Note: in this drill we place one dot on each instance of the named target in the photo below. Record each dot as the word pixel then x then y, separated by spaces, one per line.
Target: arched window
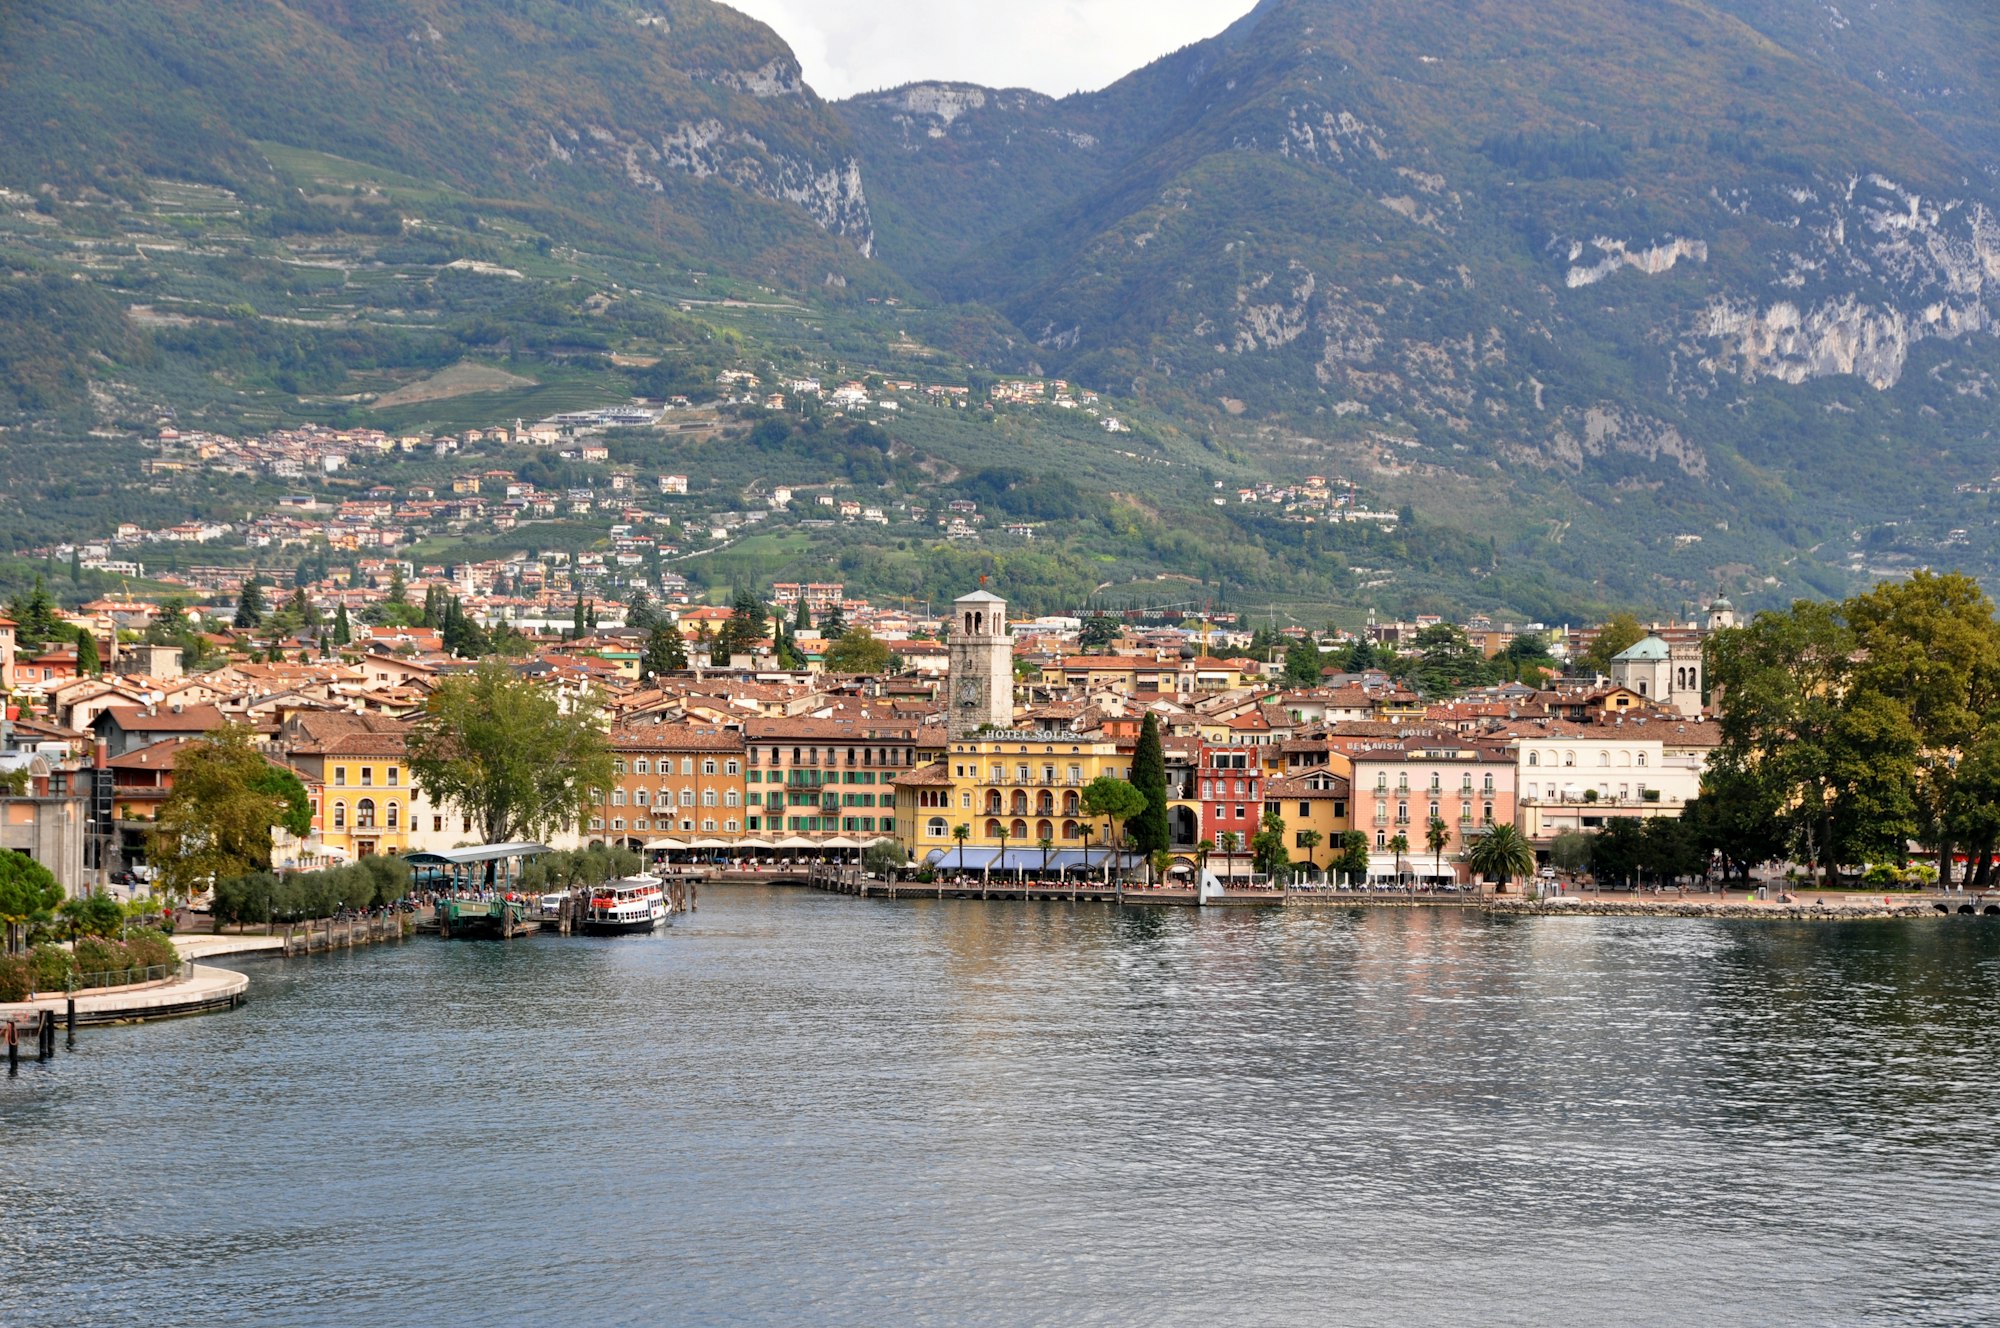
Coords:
pixel 395 815
pixel 1642 758
pixel 340 816
pixel 1604 758
pixel 1020 807
pixel 1070 830
pixel 1018 830
pixel 364 814
pixel 1569 758
pixel 992 802
pixel 1043 830
pixel 1072 805
pixel 1534 758
pixel 935 828
pixel 1045 804
pixel 992 829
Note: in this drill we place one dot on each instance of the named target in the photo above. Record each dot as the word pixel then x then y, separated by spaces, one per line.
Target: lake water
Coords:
pixel 807 1109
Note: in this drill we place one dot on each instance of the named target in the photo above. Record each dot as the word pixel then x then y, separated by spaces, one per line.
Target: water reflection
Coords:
pixel 798 1108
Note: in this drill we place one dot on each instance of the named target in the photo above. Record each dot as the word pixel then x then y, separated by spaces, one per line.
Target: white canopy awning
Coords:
pixel 840 841
pixel 711 843
pixel 797 841
pixel 666 845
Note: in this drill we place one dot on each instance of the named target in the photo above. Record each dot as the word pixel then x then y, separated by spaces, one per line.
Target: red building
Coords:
pixel 1230 784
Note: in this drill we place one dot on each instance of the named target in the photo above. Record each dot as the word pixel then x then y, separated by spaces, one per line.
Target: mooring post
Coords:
pixel 13 1048
pixel 45 1036
pixel 70 1014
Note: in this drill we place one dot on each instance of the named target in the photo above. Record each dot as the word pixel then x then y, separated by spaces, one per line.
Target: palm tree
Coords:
pixel 1086 830
pixel 1202 850
pixel 961 833
pixel 1157 862
pixel 1003 852
pixel 1045 844
pixel 1232 843
pixel 1437 838
pixel 1501 853
pixel 1310 840
pixel 1399 846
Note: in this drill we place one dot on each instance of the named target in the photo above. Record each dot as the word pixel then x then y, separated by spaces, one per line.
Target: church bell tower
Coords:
pixel 980 690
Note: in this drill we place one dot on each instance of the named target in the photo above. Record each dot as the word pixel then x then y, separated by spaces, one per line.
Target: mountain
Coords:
pixel 681 120
pixel 1607 300
pixel 1662 275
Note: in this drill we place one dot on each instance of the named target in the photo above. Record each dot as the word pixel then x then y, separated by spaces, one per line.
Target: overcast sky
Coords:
pixel 1053 46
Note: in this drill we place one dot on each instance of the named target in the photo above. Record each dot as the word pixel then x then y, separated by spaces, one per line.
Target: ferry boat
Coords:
pixel 635 904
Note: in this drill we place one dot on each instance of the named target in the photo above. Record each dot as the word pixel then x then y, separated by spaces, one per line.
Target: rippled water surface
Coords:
pixel 797 1108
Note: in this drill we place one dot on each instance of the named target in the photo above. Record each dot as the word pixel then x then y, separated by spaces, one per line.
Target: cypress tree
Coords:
pixel 1149 776
pixel 802 620
pixel 250 604
pixel 87 662
pixel 343 631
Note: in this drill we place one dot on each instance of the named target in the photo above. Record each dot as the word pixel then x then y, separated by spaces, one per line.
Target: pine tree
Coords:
pixel 639 613
pixel 1149 776
pixel 35 620
pixel 833 625
pixel 665 651
pixel 250 604
pixel 399 591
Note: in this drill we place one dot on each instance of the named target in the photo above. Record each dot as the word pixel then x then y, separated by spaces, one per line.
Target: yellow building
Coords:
pixel 1316 800
pixel 356 772
pixel 1010 789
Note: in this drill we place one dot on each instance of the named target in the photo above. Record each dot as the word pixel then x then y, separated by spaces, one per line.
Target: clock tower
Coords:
pixel 980 690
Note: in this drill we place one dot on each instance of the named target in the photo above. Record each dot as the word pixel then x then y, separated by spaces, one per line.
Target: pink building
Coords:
pixel 1401 787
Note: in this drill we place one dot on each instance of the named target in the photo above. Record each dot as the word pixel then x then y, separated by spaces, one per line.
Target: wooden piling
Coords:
pixel 70 1017
pixel 13 1049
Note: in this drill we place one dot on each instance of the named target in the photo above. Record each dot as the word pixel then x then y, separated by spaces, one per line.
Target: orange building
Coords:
pixel 672 781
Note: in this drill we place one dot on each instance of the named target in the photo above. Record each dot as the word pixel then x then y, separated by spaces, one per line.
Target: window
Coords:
pixel 395 775
pixel 617 765
pixel 1642 759
pixel 730 825
pixel 367 776
pixel 729 799
pixel 437 825
pixel 618 797
pixel 687 797
pixel 1534 758
pixel 708 824
pixel 1305 810
pixel 708 766
pixel 1434 811
pixel 687 762
pixel 618 824
pixel 641 767
pixel 340 816
pixel 1489 784
pixel 639 797
pixel 395 815
pixel 364 814
pixel 731 767
pixel 340 776
pixel 1489 813
pixel 597 823
pixel 935 827
pixel 708 797
pixel 1604 758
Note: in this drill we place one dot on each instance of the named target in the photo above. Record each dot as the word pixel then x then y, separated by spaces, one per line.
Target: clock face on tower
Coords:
pixel 968 693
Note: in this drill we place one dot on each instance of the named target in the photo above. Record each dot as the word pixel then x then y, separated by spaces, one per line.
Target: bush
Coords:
pixel 15 984
pixel 1883 874
pixel 151 949
pixel 95 956
pixel 50 967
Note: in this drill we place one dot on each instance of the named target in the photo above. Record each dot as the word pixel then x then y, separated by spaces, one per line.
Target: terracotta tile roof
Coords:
pixel 194 719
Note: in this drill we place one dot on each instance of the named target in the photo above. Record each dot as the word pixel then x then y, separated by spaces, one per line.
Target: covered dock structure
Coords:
pixel 494 867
